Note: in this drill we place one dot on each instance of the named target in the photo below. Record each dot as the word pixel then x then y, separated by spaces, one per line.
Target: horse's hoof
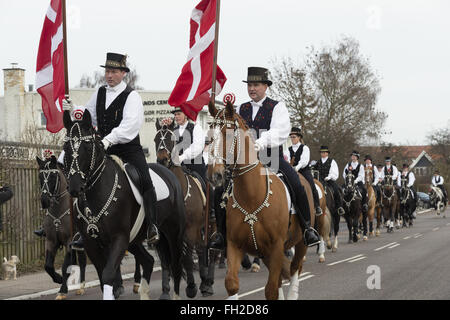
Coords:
pixel 136 288
pixel 80 292
pixel 334 249
pixel 61 296
pixel 365 238
pixel 321 259
pixel 378 233
pixel 255 268
pixel 164 296
pixel 329 245
pixel 191 291
pixel 208 291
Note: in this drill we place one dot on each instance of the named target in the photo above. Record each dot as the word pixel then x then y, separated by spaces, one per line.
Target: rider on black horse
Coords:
pixel 358 171
pixel 117 110
pixel 270 121
pixel 410 179
pixel 190 144
pixel 328 174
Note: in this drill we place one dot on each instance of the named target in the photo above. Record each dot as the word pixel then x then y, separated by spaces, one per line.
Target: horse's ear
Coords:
pixel 87 119
pixel 229 109
pixel 212 109
pixel 67 120
pixel 158 124
pixel 40 162
pixel 53 160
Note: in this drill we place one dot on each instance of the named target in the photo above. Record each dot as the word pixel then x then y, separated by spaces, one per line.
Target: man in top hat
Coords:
pixel 375 178
pixel 410 179
pixel 270 122
pixel 328 174
pixel 190 142
pixel 299 156
pixel 438 181
pixel 117 111
pixel 389 169
pixel 358 171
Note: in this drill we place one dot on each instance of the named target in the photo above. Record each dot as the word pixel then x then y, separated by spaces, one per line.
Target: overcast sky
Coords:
pixel 407 42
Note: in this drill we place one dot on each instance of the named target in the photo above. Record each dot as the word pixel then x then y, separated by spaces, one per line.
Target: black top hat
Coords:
pixel 257 74
pixel 177 109
pixel 324 149
pixel 387 159
pixel 368 157
pixel 405 165
pixel 355 153
pixel 116 61
pixel 436 171
pixel 296 131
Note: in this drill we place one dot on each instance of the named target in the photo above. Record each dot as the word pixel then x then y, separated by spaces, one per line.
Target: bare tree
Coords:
pixel 98 79
pixel 440 142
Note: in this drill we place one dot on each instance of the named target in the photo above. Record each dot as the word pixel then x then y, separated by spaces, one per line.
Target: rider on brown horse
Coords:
pixel 117 111
pixel 328 174
pixel 270 122
pixel 300 156
pixel 358 171
pixel 375 177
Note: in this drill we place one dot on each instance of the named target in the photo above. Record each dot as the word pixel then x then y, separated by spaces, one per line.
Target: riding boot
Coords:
pixel 40 232
pixel 365 206
pixel 310 235
pixel 149 199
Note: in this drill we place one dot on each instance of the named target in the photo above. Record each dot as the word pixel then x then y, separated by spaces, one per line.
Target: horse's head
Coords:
pixel 231 144
pixel 83 149
pixel 164 143
pixel 368 171
pixel 349 187
pixel 49 180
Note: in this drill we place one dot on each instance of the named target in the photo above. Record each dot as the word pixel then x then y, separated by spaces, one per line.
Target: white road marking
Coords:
pixel 385 246
pixel 340 261
pixel 448 224
pixel 436 229
pixel 285 283
pixel 418 235
pixel 357 259
pixel 406 238
pixel 89 284
pixel 395 245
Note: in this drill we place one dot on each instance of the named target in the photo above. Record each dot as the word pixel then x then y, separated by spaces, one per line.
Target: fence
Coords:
pixel 21 215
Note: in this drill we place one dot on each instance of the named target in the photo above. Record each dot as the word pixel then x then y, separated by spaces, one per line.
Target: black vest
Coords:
pixel 323 168
pixel 262 119
pixel 436 179
pixel 296 155
pixel 355 171
pixel 108 119
pixel 406 177
pixel 386 173
pixel 185 140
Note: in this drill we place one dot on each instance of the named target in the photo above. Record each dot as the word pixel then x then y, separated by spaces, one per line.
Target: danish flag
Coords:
pixel 193 88
pixel 50 67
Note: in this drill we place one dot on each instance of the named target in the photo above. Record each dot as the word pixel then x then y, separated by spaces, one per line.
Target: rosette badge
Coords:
pixel 229 97
pixel 47 154
pixel 78 114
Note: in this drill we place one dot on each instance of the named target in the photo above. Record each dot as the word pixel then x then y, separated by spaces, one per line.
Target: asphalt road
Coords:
pixel 412 263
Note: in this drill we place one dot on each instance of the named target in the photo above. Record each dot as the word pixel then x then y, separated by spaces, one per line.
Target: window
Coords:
pixel 43 120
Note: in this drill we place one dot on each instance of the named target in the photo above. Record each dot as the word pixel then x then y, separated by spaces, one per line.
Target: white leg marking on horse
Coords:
pixel 108 292
pixel 293 287
pixel 233 297
pixel 144 290
pixel 280 294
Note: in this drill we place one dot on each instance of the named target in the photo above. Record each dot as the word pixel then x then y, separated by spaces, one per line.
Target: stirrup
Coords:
pixel 316 233
pixel 154 239
pixel 341 211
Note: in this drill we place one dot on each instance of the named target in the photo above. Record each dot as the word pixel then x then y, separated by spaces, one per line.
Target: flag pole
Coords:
pixel 66 69
pixel 216 47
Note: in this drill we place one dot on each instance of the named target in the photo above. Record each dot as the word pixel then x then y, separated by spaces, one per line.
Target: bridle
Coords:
pixel 163 132
pixel 391 184
pixel 350 185
pixel 45 188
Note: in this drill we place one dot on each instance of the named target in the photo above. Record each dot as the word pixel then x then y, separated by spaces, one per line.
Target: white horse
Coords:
pixel 437 200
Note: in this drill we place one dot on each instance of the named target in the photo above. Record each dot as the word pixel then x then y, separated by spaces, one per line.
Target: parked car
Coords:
pixel 424 200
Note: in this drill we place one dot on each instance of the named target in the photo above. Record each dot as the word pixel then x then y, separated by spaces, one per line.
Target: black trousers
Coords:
pixel 134 155
pixel 336 193
pixel 440 186
pixel 377 192
pixel 308 176
pixel 301 200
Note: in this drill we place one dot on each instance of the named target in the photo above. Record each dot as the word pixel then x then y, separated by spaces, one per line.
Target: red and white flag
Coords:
pixel 50 67
pixel 193 88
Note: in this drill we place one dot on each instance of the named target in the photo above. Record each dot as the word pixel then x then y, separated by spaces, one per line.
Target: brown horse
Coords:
pixel 372 202
pixel 257 217
pixel 195 204
pixel 323 223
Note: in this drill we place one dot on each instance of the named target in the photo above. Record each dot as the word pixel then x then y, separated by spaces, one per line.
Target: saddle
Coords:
pixel 201 184
pixel 290 194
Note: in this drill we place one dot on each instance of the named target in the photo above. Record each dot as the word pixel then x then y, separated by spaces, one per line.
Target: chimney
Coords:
pixel 13 103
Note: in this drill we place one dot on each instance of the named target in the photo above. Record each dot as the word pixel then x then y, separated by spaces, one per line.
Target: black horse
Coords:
pixel 58 225
pixel 389 199
pixel 407 203
pixel 352 207
pixel 107 210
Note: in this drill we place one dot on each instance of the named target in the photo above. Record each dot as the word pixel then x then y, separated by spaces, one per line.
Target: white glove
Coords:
pixel 176 159
pixel 67 104
pixel 182 158
pixel 297 167
pixel 106 143
pixel 258 147
pixel 327 178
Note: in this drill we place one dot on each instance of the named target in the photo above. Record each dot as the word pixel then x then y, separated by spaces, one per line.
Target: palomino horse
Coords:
pixel 389 200
pixel 55 200
pixel 352 207
pixel 323 222
pixel 107 209
pixel 407 203
pixel 372 202
pixel 437 200
pixel 195 204
pixel 258 219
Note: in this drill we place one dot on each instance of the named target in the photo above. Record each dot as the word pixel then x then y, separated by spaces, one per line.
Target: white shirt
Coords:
pixel 435 179
pixel 360 176
pixel 304 158
pixel 198 142
pixel 411 179
pixel 394 172
pixel 280 125
pixel 133 114
pixel 334 170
